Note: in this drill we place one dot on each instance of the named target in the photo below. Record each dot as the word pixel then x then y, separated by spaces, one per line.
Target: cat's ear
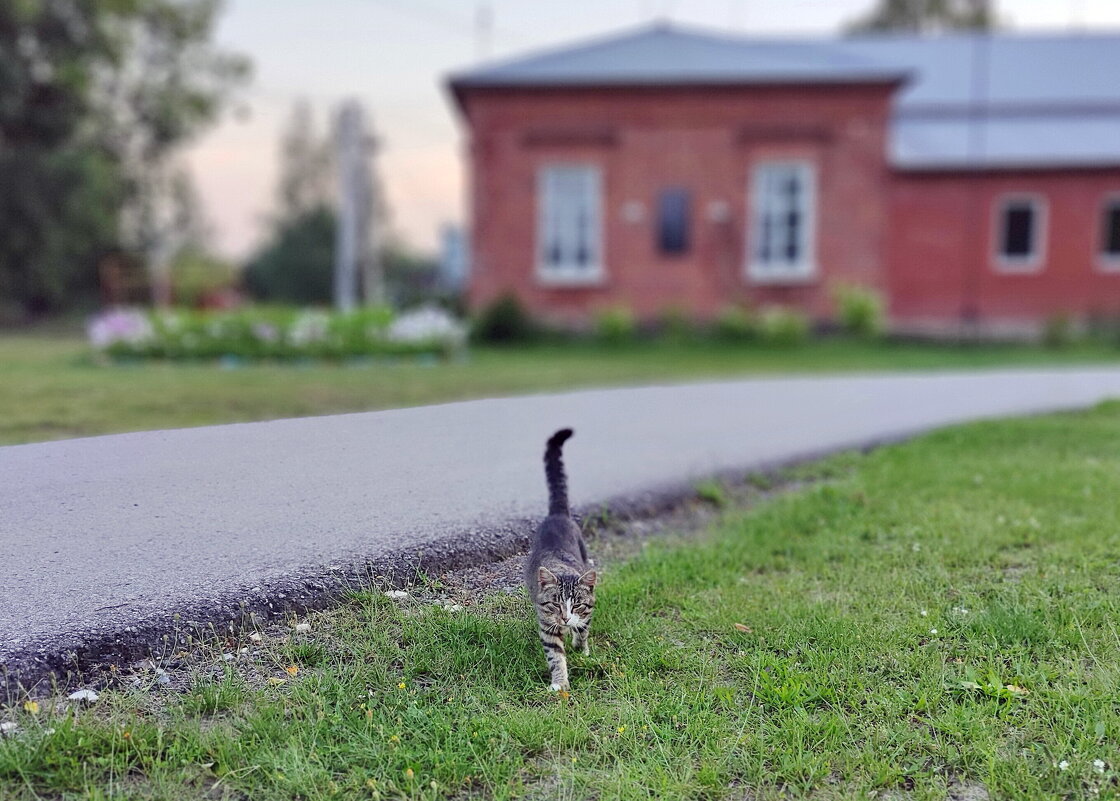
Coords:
pixel 588 579
pixel 546 578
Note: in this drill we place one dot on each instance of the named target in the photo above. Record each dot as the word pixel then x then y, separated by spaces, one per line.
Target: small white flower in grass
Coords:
pixel 8 727
pixel 960 610
pixel 84 695
pixel 398 594
pixel 1063 765
pixel 917 546
pixel 924 613
pixel 933 631
pixel 453 608
pixel 1098 765
pixel 302 628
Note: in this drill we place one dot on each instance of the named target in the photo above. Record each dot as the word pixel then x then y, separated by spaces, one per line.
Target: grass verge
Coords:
pixel 937 619
pixel 51 389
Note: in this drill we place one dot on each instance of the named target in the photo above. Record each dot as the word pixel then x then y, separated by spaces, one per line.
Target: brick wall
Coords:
pixel 943 244
pixel 700 139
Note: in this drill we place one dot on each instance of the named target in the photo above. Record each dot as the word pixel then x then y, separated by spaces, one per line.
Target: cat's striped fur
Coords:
pixel 558 572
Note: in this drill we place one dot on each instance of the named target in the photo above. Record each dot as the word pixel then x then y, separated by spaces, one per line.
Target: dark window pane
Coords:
pixel 1111 245
pixel 1018 229
pixel 672 221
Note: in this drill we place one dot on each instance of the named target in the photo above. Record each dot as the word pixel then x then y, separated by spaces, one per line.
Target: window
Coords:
pixel 1020 228
pixel 569 225
pixel 1110 233
pixel 783 212
pixel 672 221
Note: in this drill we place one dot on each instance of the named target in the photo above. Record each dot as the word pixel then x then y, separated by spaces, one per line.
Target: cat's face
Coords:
pixel 567 601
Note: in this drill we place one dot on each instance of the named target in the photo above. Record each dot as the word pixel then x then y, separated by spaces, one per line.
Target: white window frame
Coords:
pixel 572 274
pixel 1106 263
pixel 1033 261
pixel 780 272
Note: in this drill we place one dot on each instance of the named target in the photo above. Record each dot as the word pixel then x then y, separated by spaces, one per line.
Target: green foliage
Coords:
pixel 93 96
pixel 504 322
pixel 922 16
pixel 297 265
pixel 615 325
pixel 712 492
pixel 860 310
pixel 196 273
pixel 779 325
pixel 1058 331
pixel 676 325
pixel 736 324
pixel 262 333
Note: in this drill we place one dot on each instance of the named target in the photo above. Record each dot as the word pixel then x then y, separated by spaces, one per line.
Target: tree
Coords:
pixel 306 181
pixel 95 96
pixel 922 16
pixel 297 264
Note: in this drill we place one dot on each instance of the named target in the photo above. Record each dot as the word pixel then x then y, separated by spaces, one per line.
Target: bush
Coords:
pixel 196 274
pixel 736 324
pixel 274 333
pixel 783 326
pixel 297 266
pixel 504 322
pixel 861 310
pixel 676 325
pixel 615 325
pixel 1058 331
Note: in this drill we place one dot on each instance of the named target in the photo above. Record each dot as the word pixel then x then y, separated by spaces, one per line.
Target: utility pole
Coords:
pixel 349 144
pixel 358 240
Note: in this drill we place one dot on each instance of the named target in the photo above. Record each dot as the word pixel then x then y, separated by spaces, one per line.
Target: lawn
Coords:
pixel 52 390
pixel 939 616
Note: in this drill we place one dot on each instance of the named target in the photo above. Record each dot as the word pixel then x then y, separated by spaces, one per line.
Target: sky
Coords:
pixel 393 56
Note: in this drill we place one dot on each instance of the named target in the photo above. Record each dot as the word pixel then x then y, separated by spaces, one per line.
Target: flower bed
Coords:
pixel 273 333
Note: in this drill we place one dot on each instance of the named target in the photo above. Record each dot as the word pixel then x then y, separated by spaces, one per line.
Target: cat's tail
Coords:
pixel 554 473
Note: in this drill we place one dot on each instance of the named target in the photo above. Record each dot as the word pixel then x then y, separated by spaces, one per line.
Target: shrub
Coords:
pixel 861 310
pixel 504 322
pixel 1057 332
pixel 676 325
pixel 615 325
pixel 276 333
pixel 736 324
pixel 783 326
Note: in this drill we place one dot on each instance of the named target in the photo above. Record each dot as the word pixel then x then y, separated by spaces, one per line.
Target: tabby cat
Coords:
pixel 558 572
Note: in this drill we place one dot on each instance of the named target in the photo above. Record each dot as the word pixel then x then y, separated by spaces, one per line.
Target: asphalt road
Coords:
pixel 100 534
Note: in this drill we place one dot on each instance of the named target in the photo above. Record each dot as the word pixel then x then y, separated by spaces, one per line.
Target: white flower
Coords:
pixel 303 627
pixel 8 727
pixel 427 324
pixel 84 695
pixel 933 631
pixel 960 610
pixel 1063 765
pixel 396 594
pixel 924 613
pixel 130 326
pixel 1098 765
pixel 309 327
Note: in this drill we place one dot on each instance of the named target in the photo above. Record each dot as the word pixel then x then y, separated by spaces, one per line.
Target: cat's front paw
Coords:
pixel 557 687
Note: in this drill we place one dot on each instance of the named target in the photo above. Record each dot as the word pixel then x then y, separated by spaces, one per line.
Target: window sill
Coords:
pixel 765 276
pixel 1017 266
pixel 564 280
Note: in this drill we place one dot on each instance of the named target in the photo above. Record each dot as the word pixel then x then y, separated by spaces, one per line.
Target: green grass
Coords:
pixel 52 390
pixel 939 612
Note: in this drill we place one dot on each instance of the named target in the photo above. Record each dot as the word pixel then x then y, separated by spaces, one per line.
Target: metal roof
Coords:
pixel 969 101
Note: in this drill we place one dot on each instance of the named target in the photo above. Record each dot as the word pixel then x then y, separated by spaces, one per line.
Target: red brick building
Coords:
pixel 967 178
